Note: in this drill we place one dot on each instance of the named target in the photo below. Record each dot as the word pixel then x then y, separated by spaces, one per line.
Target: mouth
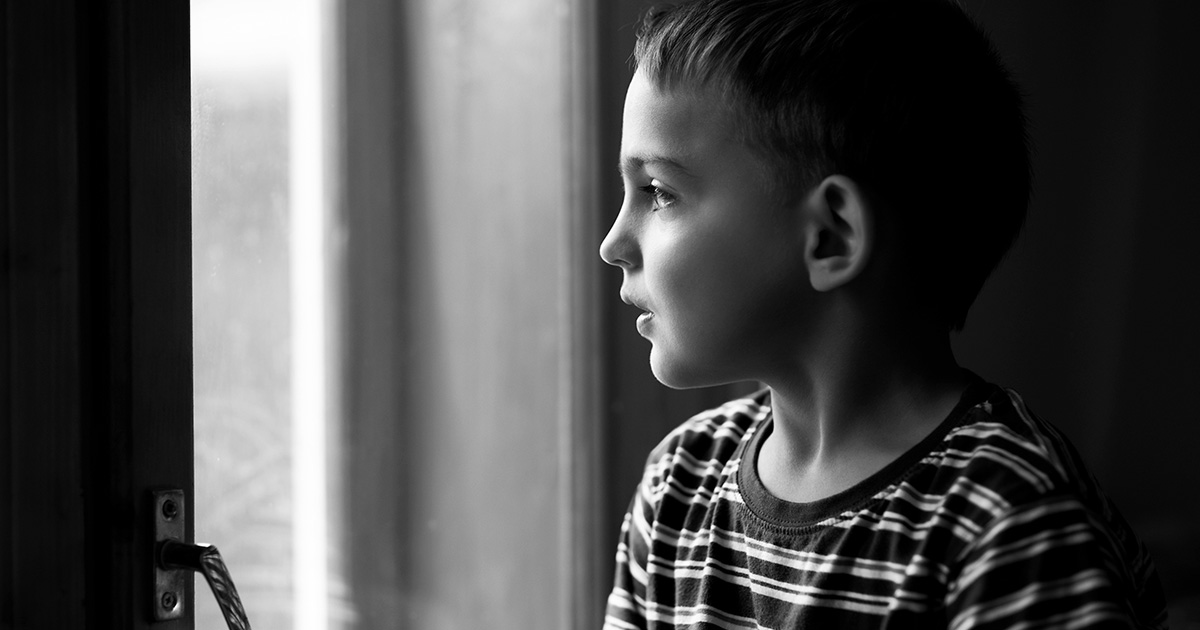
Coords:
pixel 632 301
pixel 643 323
pixel 646 314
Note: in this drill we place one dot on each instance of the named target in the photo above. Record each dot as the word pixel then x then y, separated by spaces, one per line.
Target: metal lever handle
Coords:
pixel 205 559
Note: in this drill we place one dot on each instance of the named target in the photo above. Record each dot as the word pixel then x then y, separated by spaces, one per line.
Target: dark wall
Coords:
pixel 1092 316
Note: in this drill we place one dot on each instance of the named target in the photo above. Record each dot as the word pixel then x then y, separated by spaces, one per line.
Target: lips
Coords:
pixel 643 320
pixel 635 302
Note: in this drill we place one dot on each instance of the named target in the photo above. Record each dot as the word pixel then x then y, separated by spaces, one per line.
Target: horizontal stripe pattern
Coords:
pixel 992 522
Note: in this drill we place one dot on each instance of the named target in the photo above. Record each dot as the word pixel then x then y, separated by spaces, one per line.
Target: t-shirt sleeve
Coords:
pixel 1049 563
pixel 627 601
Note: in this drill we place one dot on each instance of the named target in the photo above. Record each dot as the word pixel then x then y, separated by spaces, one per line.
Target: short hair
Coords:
pixel 908 98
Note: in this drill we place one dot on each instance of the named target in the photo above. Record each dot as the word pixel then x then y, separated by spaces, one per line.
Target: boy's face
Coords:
pixel 708 251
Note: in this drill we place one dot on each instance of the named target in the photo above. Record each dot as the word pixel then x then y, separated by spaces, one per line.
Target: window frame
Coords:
pixel 96 300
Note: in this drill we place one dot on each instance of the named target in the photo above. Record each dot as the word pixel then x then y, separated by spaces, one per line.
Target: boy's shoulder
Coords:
pixel 1015 467
pixel 1027 488
pixel 1000 444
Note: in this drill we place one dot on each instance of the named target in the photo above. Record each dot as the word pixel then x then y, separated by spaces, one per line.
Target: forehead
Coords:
pixel 680 128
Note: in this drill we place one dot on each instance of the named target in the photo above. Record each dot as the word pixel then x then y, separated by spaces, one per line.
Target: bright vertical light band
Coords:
pixel 310 288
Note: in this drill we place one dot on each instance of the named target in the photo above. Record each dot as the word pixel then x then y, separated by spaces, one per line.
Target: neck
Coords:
pixel 870 395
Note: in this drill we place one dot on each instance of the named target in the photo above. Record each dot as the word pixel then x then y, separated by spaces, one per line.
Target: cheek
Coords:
pixel 706 272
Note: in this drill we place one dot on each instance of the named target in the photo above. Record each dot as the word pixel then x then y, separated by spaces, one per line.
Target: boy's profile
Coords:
pixel 815 191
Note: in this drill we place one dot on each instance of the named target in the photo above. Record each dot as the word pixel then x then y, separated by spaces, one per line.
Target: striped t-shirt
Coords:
pixel 990 522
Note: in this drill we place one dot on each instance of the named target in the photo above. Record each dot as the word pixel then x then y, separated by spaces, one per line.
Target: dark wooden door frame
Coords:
pixel 95 306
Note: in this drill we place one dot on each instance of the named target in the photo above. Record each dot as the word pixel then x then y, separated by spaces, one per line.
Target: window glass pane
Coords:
pixel 247 339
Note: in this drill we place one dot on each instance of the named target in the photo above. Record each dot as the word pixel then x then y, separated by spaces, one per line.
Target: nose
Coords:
pixel 619 247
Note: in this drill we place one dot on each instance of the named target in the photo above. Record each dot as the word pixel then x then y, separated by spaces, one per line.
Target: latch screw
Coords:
pixel 170 510
pixel 169 600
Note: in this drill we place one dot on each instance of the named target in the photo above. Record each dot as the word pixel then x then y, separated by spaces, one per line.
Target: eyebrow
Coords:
pixel 631 164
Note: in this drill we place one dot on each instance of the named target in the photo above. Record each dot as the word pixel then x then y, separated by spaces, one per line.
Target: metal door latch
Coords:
pixel 175 560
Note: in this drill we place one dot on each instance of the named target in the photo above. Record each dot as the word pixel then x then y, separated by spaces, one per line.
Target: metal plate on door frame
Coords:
pixel 169 584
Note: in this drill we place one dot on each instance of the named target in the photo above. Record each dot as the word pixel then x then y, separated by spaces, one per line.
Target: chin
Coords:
pixel 677 374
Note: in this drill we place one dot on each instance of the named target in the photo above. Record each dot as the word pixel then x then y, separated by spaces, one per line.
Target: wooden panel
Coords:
pixel 156 99
pixel 97 386
pixel 42 286
pixel 7 296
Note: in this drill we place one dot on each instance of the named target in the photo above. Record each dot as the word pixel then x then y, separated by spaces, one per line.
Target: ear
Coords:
pixel 839 232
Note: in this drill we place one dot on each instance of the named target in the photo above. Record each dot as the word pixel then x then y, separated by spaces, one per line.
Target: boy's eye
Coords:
pixel 661 198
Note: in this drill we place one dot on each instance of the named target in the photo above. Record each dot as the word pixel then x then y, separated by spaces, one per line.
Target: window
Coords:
pixel 451 389
pixel 261 286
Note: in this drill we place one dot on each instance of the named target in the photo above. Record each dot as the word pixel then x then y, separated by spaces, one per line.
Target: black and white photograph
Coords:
pixel 599 314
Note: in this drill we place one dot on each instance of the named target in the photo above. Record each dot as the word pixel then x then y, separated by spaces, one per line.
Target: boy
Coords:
pixel 815 192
